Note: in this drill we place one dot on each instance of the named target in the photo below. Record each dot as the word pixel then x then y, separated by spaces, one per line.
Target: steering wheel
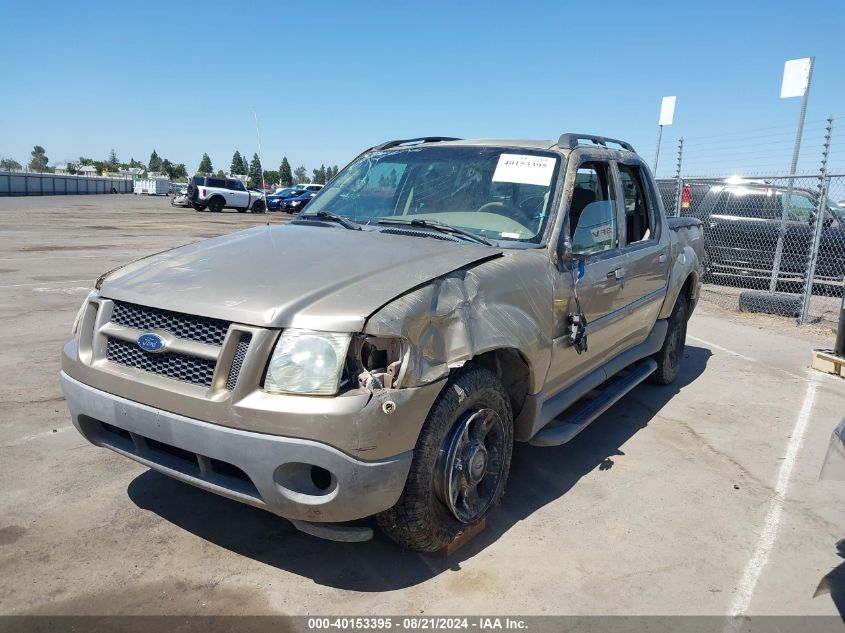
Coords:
pixel 500 208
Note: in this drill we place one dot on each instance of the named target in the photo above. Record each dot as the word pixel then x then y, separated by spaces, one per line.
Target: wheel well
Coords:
pixel 512 369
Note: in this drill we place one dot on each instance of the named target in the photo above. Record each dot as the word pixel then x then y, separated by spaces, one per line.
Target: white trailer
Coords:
pixel 152 186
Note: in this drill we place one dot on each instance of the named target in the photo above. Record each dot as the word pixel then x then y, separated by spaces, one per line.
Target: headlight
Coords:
pixel 295 203
pixel 305 361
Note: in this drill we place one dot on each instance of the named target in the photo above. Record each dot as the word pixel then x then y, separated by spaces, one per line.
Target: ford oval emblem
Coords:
pixel 152 343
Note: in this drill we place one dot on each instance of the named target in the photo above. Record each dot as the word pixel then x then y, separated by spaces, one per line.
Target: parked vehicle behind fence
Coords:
pixel 743 221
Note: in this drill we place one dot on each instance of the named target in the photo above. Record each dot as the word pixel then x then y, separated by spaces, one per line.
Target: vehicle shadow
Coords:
pixel 834 582
pixel 538 476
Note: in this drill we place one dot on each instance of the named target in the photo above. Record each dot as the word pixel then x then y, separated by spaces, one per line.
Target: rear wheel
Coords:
pixel 460 464
pixel 672 353
pixel 197 206
pixel 216 204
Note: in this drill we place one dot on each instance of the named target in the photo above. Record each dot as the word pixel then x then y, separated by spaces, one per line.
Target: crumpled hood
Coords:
pixel 314 277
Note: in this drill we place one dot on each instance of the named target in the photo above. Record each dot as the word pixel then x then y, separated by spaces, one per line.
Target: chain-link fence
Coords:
pixel 765 248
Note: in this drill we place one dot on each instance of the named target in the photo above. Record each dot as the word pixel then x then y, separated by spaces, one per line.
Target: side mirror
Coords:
pixel 564 252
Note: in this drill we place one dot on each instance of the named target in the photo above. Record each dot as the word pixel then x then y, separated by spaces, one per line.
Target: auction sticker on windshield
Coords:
pixel 524 169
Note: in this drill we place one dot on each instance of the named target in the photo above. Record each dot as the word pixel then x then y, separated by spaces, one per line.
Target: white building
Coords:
pixel 88 170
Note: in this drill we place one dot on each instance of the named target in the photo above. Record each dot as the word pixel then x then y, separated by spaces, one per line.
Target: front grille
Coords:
pixel 238 361
pixel 186 326
pixel 197 371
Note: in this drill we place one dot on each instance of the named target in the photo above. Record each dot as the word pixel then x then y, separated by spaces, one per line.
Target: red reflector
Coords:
pixel 202 193
pixel 685 197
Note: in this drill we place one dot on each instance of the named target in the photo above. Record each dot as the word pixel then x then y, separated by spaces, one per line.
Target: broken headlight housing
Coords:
pixel 308 362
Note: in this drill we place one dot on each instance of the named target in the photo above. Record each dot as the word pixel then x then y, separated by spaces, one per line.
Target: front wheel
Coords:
pixel 460 465
pixel 672 353
pixel 258 206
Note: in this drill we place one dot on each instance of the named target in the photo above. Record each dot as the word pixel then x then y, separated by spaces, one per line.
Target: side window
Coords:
pixel 592 211
pixel 217 183
pixel 801 208
pixel 639 223
pixel 235 185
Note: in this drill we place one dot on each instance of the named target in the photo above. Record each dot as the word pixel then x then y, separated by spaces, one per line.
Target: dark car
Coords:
pixel 295 204
pixel 275 199
pixel 742 221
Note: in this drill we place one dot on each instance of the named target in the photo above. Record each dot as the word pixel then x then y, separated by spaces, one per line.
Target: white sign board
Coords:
pixel 667 111
pixel 796 76
pixel 525 169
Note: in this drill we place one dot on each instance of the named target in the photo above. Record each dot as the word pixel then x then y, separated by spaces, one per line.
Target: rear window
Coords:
pixel 198 180
pixel 745 204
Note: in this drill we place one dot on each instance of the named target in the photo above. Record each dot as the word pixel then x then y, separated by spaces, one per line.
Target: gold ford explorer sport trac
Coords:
pixel 439 300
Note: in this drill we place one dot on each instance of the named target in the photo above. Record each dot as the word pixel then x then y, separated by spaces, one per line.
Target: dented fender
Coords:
pixel 503 303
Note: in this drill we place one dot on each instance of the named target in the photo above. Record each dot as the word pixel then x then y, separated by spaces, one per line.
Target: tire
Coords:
pixel 422 520
pixel 193 192
pixel 198 207
pixel 259 207
pixel 216 204
pixel 242 210
pixel 672 353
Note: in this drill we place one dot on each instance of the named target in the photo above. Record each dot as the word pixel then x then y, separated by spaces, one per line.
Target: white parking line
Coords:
pixel 760 557
pixel 41 283
pixel 742 356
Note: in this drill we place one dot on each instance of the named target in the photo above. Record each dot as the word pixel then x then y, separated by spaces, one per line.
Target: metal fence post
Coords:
pixel 679 182
pixel 821 210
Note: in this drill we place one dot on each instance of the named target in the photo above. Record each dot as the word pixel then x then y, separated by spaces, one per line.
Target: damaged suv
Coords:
pixel 453 297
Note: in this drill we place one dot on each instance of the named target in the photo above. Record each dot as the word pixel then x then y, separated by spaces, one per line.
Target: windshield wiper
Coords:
pixel 331 217
pixel 440 227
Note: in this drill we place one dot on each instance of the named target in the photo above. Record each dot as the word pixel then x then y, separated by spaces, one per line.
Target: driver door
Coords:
pixel 592 225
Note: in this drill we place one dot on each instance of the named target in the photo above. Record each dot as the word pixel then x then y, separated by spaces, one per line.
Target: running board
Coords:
pixel 568 426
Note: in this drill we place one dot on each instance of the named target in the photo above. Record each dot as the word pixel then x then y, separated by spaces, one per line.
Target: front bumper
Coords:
pixel 267 471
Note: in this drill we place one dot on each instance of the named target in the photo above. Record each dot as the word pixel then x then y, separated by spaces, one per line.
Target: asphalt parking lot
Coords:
pixel 699 498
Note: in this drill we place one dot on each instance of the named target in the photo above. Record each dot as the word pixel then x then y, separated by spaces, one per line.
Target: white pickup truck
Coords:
pixel 215 194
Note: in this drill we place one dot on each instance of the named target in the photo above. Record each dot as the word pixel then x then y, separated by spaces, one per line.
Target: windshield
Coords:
pixel 496 193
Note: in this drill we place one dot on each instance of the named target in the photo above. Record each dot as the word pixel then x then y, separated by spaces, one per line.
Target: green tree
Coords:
pixel 113 162
pixel 155 162
pixel 39 159
pixel 9 164
pixel 180 172
pixel 136 164
pixel 271 177
pixel 300 175
pixel 220 173
pixel 72 167
pixel 320 175
pixel 205 165
pixel 285 175
pixel 244 166
pixel 255 177
pixel 85 162
pixel 334 172
pixel 237 166
pixel 167 168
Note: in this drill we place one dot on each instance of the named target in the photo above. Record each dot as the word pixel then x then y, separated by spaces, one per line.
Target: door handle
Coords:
pixel 618 274
pixel 662 258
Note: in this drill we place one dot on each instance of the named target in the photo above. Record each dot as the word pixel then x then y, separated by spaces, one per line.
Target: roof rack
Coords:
pixel 570 140
pixel 414 141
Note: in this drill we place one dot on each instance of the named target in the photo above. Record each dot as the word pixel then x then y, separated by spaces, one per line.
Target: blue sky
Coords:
pixel 331 78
